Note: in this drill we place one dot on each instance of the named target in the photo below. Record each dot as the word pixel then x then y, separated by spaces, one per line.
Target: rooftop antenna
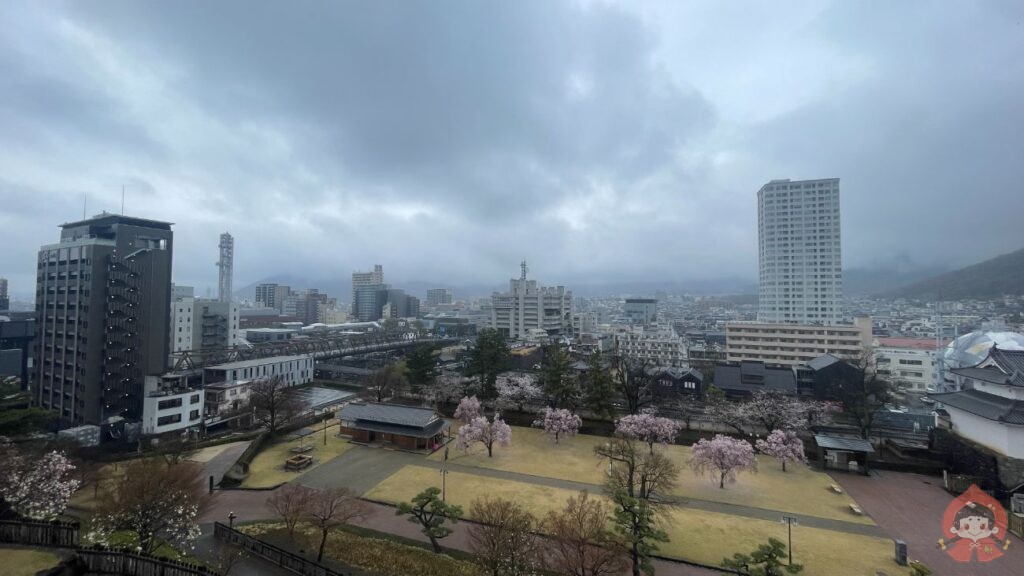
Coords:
pixel 122 199
pixel 85 202
pixel 524 268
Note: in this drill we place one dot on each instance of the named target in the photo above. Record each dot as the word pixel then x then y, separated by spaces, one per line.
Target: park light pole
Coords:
pixel 231 519
pixel 444 476
pixel 790 521
pixel 608 447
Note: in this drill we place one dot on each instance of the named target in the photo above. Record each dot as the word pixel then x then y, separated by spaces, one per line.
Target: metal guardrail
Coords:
pixel 273 554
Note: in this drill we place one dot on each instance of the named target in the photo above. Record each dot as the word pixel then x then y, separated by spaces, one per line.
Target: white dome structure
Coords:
pixel 970 349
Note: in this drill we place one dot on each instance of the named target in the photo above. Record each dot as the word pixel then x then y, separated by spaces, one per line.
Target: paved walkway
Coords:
pixel 359 469
pixel 222 462
pixel 910 507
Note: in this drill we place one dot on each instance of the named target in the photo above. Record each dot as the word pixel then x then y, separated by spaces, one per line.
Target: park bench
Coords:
pixel 837 489
pixel 856 510
pixel 298 462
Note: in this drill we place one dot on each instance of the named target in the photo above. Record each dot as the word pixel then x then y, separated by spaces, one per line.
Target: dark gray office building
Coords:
pixel 5 301
pixel 103 298
pixel 17 332
pixel 369 301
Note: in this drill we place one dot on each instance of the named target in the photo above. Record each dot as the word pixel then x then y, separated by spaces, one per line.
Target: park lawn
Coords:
pixel 380 556
pixel 694 535
pixel 26 561
pixel 87 497
pixel 800 490
pixel 267 468
pixel 534 452
pixel 709 537
pixel 461 489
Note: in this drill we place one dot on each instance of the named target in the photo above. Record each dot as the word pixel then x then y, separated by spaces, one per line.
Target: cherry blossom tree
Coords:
pixel 724 457
pixel 37 488
pixel 725 411
pixel 775 410
pixel 518 389
pixel 153 501
pixel 783 445
pixel 445 388
pixel 559 422
pixel 468 409
pixel 648 428
pixel 819 412
pixel 484 432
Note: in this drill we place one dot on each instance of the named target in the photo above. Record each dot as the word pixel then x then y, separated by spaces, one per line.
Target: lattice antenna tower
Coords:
pixel 226 265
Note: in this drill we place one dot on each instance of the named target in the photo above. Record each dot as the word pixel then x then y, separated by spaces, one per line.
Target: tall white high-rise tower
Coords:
pixel 801 270
pixel 226 265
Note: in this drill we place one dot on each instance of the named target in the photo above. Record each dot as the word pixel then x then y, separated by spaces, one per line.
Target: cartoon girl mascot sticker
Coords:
pixel 974 522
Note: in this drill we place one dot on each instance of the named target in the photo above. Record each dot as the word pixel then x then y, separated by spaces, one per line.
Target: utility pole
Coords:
pixel 790 521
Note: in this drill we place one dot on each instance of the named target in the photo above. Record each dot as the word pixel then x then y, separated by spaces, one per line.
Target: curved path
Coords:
pixel 250 505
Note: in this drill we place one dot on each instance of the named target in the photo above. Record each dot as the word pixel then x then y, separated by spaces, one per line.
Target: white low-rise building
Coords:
pixel 910 363
pixel 795 344
pixel 989 410
pixel 660 347
pixel 226 400
pixel 167 407
pixel 293 370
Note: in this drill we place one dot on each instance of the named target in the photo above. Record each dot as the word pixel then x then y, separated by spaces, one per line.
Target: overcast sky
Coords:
pixel 449 140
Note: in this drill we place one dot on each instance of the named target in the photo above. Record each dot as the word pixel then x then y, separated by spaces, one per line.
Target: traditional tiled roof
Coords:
pixel 730 377
pixel 999 367
pixel 990 406
pixel 1009 361
pixel 823 361
pixel 388 414
pixel 990 374
pixel 843 443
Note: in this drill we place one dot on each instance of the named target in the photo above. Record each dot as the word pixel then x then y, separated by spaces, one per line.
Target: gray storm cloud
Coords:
pixel 603 142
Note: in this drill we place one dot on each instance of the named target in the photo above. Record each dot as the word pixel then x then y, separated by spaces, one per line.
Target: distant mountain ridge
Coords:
pixel 989 279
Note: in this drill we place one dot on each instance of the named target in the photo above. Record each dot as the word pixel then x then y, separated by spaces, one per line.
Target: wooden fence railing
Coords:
pixel 29 533
pixel 1016 524
pixel 103 561
pixel 98 560
pixel 271 553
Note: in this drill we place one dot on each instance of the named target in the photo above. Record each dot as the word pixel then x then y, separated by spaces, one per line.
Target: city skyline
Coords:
pixel 620 142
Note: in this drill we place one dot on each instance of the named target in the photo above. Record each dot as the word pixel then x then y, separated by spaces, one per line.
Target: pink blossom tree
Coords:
pixel 559 422
pixel 724 457
pixel 648 428
pixel 518 389
pixel 444 388
pixel 775 410
pixel 37 488
pixel 783 445
pixel 487 433
pixel 468 409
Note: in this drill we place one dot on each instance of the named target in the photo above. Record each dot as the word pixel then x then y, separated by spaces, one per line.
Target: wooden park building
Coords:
pixel 407 427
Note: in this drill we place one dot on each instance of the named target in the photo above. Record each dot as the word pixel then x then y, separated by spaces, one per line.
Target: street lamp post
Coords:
pixel 231 519
pixel 444 477
pixel 790 521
